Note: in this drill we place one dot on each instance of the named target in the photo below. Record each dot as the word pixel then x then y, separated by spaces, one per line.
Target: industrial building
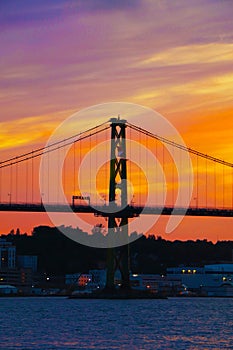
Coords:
pixel 210 280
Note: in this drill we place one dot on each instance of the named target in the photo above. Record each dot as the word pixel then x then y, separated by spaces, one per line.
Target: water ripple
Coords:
pixel 59 323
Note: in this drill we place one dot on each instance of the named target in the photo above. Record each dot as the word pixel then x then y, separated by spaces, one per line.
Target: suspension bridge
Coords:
pixel 207 181
pixel 111 173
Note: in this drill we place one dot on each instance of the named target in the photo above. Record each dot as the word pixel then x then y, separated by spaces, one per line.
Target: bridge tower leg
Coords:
pixel 118 224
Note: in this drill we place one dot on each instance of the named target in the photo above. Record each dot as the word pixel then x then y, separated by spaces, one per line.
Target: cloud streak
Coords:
pixel 192 54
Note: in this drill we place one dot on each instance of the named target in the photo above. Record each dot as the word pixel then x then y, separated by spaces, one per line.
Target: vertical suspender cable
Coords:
pixel 130 156
pixel 189 175
pixel 48 171
pixel 146 164
pixel 197 190
pixel 223 186
pixel 140 140
pixel 0 185
pixel 58 162
pixel 232 188
pixel 206 183
pixel 106 168
pixel 156 170
pixel 74 168
pixel 26 179
pixel 80 169
pixel 215 186
pixel 10 191
pixel 181 169
pixel 164 173
pixel 64 168
pixel 95 169
pixel 32 177
pixel 16 181
pixel 90 179
pixel 173 176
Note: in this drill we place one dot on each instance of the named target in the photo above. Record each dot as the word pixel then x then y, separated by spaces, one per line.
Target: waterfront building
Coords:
pixel 84 279
pixel 211 279
pixel 12 274
pixel 7 254
pixel 6 289
pixel 20 278
pixel 98 277
pixel 156 283
pixel 27 261
pixel 72 279
pixel 79 279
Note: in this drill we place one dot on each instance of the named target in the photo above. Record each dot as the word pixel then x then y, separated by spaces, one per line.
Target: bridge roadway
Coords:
pixel 106 211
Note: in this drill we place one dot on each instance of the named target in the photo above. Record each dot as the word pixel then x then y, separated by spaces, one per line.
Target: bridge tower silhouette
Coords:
pixel 117 220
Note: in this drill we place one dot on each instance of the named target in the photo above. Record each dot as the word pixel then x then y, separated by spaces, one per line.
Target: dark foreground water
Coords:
pixel 60 323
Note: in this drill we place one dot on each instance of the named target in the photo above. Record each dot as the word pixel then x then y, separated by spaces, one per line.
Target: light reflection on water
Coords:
pixel 60 323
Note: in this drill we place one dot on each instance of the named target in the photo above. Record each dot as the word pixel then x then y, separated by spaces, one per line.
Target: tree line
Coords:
pixel 59 255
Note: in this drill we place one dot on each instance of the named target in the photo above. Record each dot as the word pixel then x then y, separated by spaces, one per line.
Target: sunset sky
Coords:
pixel 176 57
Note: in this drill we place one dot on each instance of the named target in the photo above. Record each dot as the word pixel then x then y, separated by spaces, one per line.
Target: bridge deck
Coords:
pixel 129 211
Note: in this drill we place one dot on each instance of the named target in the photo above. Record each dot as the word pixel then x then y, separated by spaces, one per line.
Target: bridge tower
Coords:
pixel 118 223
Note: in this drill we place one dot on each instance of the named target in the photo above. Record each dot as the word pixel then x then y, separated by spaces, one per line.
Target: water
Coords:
pixel 60 323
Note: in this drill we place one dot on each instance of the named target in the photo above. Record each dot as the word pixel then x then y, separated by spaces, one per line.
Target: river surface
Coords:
pixel 60 323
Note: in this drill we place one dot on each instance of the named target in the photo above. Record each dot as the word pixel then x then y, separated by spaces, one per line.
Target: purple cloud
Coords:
pixel 66 54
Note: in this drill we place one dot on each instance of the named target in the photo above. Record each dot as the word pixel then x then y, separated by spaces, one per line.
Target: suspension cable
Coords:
pixel 184 148
pixel 47 149
pixel 53 144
